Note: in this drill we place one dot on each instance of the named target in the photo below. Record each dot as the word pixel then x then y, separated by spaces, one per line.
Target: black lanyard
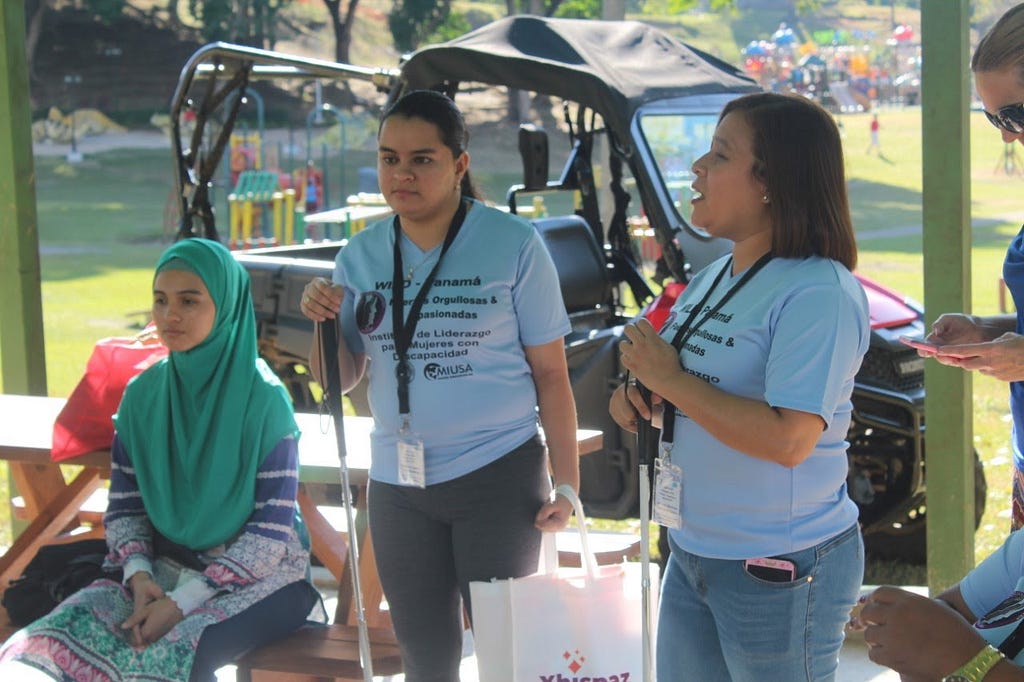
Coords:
pixel 404 330
pixel 687 329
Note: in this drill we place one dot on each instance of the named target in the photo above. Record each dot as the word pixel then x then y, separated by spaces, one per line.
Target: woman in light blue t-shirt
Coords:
pixel 994 344
pixel 452 311
pixel 755 370
pixel 926 639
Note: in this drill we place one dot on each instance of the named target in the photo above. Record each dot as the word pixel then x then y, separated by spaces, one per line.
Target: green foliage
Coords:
pixel 215 16
pixel 477 17
pixel 805 7
pixel 456 25
pixel 678 6
pixel 579 9
pixel 248 22
pixel 412 21
pixel 106 10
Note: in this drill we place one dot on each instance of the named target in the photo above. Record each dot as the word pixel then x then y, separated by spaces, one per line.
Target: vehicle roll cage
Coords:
pixel 228 70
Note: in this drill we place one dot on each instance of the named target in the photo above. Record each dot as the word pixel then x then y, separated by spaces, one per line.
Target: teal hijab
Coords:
pixel 198 425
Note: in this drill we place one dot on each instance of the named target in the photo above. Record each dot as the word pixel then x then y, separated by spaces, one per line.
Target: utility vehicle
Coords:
pixel 637 107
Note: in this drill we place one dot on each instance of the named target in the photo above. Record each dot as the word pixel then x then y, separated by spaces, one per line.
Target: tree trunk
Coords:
pixel 342 28
pixel 519 102
pixel 614 10
pixel 33 31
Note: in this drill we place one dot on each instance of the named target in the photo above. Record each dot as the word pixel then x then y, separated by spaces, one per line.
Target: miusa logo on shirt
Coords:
pixel 436 371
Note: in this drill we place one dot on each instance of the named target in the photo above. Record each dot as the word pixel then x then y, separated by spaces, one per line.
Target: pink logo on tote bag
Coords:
pixel 576 659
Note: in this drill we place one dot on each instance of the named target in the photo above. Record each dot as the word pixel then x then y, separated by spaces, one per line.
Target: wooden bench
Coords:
pixel 320 654
pixel 324 654
pixel 331 652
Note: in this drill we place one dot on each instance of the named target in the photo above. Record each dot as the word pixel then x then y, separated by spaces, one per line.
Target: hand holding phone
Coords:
pixel 920 344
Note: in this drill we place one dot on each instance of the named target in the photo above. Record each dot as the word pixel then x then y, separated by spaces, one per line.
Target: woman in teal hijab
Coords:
pixel 202 519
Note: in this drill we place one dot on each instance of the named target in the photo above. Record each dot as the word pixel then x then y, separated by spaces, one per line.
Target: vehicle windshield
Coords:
pixel 675 139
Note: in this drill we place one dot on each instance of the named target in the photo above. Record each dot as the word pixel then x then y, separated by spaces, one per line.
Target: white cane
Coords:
pixel 645 571
pixel 327 336
pixel 646 442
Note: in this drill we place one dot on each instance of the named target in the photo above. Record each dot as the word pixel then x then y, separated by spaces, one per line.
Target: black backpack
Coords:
pixel 54 574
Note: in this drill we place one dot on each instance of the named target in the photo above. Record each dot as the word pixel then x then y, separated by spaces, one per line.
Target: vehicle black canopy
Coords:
pixel 611 67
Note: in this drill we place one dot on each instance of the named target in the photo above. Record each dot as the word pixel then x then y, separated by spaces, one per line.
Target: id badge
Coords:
pixel 411 465
pixel 668 494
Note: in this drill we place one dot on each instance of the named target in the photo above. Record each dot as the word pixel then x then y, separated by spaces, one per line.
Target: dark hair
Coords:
pixel 1002 46
pixel 798 156
pixel 438 109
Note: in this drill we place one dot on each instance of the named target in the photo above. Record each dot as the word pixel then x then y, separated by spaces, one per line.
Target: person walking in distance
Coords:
pixel 874 145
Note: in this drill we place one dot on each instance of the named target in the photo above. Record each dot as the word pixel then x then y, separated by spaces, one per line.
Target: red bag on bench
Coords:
pixel 84 424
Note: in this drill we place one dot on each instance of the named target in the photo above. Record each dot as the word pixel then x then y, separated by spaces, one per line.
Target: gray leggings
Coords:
pixel 430 543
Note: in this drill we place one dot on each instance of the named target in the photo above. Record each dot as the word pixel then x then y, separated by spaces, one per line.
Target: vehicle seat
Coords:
pixel 609 477
pixel 581 268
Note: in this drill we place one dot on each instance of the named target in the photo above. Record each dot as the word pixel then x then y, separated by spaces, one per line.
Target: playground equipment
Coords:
pixel 245 154
pixel 309 187
pixel 262 206
pixel 262 212
pixel 316 117
pixel 848 99
pixel 257 194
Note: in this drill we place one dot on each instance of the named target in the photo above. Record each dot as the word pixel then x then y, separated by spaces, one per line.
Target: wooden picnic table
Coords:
pixel 52 505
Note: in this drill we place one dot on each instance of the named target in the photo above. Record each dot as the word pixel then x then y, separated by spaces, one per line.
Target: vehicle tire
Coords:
pixel 907 542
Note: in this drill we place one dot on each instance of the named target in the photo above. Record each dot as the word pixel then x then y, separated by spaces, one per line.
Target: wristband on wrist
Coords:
pixel 566 491
pixel 975 669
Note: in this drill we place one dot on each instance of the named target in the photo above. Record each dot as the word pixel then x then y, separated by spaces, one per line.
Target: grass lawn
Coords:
pixel 886 194
pixel 101 230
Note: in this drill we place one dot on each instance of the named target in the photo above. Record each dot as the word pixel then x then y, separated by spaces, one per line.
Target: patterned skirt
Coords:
pixel 82 639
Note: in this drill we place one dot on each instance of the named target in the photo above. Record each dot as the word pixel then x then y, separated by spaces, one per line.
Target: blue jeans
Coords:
pixel 717 623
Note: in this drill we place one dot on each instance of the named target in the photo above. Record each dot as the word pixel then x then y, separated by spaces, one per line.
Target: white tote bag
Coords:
pixel 570 623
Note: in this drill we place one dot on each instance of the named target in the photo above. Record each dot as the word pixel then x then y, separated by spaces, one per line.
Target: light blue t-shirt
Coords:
pixel 794 337
pixel 1013 275
pixel 472 396
pixel 994 591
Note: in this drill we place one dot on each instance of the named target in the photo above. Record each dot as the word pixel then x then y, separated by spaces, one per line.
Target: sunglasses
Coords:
pixel 1009 118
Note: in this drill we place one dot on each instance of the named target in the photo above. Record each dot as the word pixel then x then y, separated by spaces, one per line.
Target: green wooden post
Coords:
pixel 947 285
pixel 22 361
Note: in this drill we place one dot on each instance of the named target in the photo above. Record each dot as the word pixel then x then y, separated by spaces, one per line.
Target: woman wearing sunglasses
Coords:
pixel 994 344
pixel 974 630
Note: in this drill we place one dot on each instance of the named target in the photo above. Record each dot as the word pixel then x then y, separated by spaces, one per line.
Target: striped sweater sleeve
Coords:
pixel 128 530
pixel 260 548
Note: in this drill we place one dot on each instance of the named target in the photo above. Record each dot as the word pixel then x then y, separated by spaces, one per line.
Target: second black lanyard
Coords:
pixel 404 328
pixel 688 328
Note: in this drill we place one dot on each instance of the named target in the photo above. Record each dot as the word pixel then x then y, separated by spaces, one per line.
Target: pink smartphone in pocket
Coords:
pixel 772 570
